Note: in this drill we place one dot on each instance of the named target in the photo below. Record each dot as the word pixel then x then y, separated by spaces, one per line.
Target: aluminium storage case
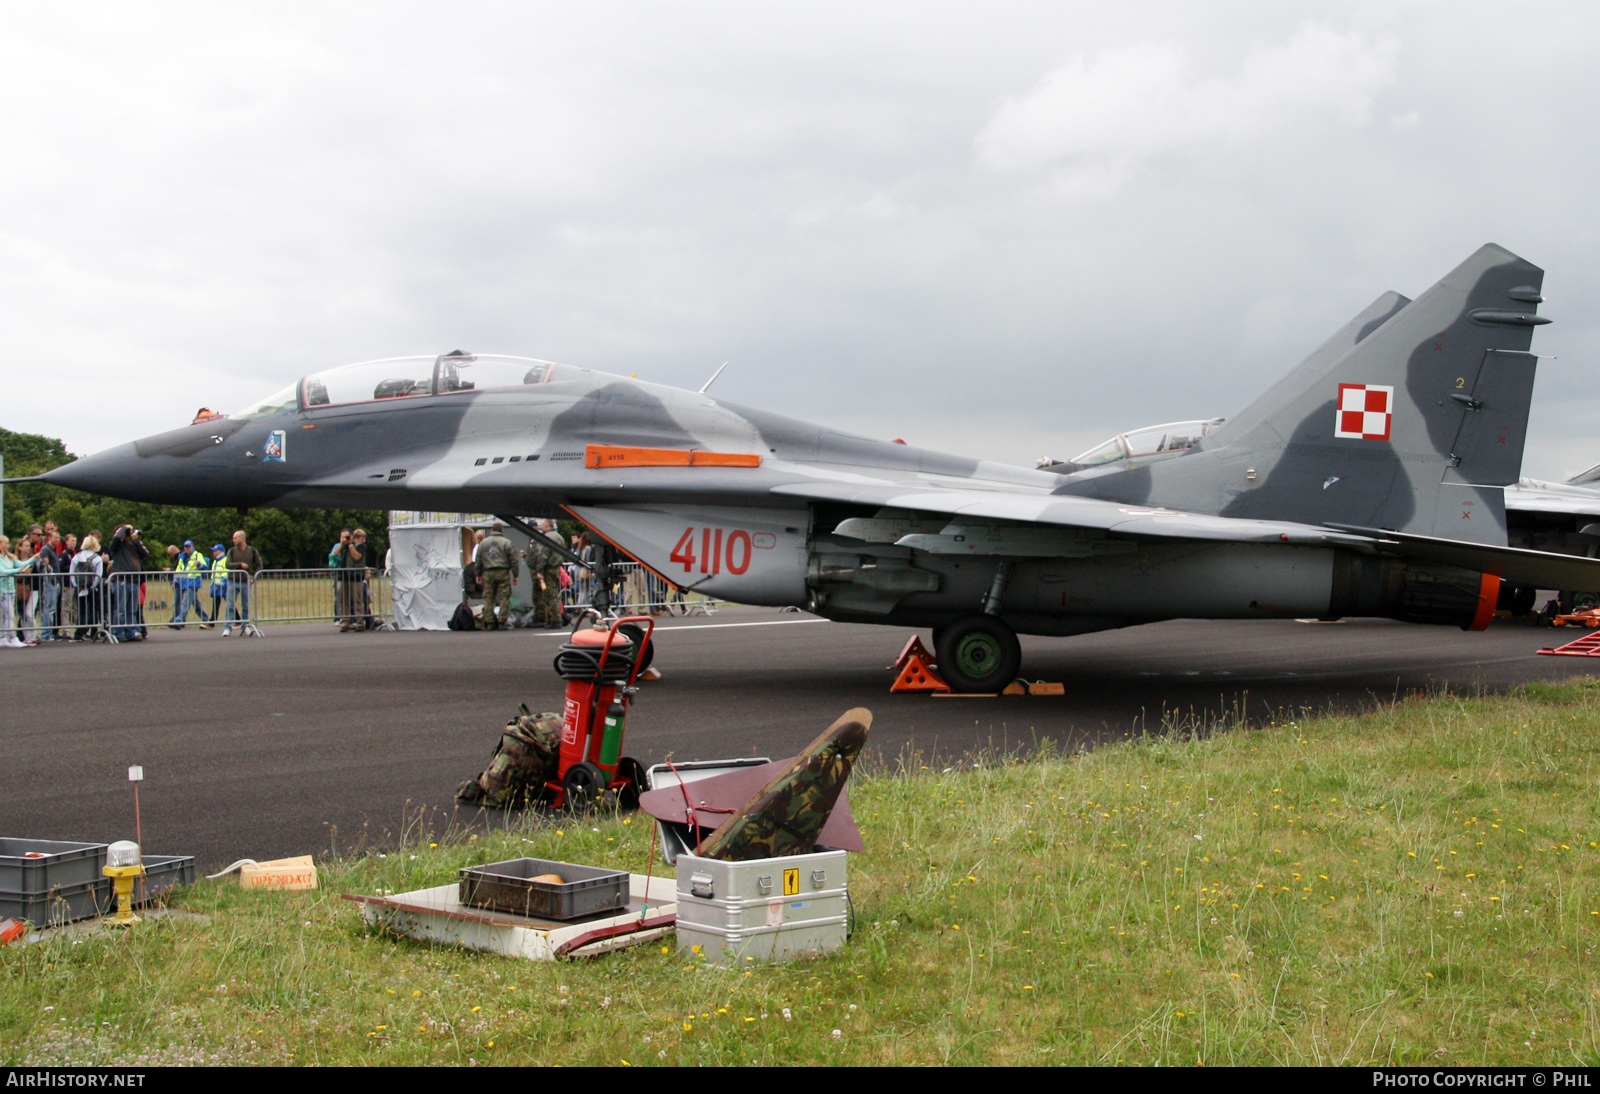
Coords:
pixel 766 909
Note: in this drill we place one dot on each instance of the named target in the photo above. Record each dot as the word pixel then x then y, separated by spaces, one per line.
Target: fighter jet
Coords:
pixel 1370 481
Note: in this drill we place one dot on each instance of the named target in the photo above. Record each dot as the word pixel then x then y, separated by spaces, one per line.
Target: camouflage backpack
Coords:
pixel 527 756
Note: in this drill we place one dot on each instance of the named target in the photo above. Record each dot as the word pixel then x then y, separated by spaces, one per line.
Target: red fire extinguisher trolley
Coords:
pixel 600 668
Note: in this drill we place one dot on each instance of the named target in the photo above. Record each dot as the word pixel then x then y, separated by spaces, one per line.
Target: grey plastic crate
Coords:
pixel 58 906
pixel 163 873
pixel 60 865
pixel 509 887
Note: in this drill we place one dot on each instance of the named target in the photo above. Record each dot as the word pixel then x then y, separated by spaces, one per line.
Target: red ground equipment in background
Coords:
pixel 600 668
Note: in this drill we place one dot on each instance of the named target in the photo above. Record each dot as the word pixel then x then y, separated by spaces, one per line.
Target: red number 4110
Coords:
pixel 716 551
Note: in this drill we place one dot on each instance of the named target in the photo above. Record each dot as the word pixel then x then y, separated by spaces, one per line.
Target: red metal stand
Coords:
pixel 1587 646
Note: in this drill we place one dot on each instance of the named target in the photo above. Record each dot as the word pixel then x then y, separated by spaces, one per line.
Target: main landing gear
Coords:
pixel 977 653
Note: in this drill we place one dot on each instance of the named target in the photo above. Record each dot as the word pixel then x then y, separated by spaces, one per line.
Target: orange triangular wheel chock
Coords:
pixel 917 676
pixel 914 648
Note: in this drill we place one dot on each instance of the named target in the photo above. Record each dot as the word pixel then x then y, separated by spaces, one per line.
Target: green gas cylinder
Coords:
pixel 611 737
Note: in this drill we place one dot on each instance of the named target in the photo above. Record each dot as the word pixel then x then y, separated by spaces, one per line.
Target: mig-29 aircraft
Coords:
pixel 1368 482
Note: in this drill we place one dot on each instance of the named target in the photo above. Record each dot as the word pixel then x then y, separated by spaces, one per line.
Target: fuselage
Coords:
pixel 714 496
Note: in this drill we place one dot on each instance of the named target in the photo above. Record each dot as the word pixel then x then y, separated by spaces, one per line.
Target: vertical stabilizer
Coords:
pixel 1416 426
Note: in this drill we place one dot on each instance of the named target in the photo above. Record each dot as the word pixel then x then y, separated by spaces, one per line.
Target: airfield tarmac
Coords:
pixel 309 740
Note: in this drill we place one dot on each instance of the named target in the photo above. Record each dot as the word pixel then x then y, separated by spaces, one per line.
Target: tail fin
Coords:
pixel 1414 427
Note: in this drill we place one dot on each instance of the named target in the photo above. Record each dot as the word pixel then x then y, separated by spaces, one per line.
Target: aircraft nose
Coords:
pixel 117 472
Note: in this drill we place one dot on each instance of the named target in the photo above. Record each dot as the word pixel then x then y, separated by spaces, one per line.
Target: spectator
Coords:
pixel 28 594
pixel 10 566
pixel 244 562
pixel 172 568
pixel 88 570
pixel 361 565
pixel 188 574
pixel 67 603
pixel 49 582
pixel 218 569
pixel 471 580
pixel 339 561
pixel 127 557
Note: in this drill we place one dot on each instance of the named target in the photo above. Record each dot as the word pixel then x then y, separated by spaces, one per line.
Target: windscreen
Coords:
pixel 279 402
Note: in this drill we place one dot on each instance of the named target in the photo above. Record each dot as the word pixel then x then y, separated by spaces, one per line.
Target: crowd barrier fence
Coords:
pixel 359 598
pixel 115 607
pixel 634 590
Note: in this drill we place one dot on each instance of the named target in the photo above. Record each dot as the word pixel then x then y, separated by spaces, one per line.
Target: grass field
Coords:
pixel 1420 885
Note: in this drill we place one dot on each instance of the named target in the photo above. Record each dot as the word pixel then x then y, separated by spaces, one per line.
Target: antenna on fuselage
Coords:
pixel 713 379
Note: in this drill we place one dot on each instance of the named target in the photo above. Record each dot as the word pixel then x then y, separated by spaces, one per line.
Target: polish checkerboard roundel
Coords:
pixel 1364 412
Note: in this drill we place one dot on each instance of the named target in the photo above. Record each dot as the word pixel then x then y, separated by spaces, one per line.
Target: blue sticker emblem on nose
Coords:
pixel 274 447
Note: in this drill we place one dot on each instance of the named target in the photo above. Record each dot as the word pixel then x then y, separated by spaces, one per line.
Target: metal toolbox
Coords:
pixel 768 909
pixel 55 865
pixel 509 887
pixel 62 904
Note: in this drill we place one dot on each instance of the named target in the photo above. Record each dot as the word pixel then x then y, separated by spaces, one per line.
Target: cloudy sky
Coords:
pixel 1001 230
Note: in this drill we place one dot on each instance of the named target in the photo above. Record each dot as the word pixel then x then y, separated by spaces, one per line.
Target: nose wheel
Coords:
pixel 977 653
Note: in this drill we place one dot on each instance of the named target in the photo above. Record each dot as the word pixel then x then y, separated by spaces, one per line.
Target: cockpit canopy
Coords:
pixel 404 378
pixel 1140 447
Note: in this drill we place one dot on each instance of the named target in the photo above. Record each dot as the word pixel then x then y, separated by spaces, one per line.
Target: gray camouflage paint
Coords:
pixel 1237 526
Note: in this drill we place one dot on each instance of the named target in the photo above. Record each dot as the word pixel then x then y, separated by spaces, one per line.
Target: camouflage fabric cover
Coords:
pixel 527 756
pixel 786 816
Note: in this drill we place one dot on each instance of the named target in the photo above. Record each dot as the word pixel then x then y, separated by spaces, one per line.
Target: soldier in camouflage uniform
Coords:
pixel 498 565
pixel 786 816
pixel 546 564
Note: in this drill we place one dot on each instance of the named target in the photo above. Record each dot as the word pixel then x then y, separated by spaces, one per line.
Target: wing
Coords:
pixel 1065 511
pixel 1538 568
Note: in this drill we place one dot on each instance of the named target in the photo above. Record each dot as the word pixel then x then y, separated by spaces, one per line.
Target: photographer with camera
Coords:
pixel 338 559
pixel 128 553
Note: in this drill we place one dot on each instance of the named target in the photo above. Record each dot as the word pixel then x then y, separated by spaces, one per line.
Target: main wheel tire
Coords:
pixel 978 653
pixel 1518 599
pixel 647 650
pixel 582 787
